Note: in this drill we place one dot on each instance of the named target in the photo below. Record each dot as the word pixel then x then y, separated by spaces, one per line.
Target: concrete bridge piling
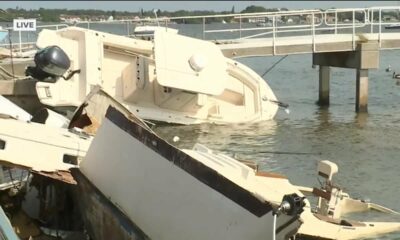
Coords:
pixel 365 57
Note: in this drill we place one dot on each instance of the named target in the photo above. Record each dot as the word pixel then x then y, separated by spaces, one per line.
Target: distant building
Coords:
pixel 70 19
pixel 257 20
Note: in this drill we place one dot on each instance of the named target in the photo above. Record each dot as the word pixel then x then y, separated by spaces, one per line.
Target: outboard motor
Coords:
pixel 51 63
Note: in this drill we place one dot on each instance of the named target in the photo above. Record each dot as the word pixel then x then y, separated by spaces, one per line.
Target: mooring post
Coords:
pixel 324 79
pixel 362 90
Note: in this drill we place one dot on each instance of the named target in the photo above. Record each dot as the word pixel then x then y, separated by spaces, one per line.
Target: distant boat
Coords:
pixel 264 24
pixel 147 32
pixel 72 21
pixel 223 22
pixel 393 26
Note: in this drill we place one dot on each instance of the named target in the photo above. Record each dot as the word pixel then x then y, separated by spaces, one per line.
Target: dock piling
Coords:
pixel 365 57
pixel 324 79
pixel 362 90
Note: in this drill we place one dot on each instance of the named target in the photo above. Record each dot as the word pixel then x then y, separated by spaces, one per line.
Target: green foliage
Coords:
pixel 48 16
pixel 253 9
pixel 53 15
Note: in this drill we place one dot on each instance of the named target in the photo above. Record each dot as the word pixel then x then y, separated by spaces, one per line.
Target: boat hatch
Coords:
pixel 189 64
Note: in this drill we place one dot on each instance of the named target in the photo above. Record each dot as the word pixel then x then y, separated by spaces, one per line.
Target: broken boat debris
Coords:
pixel 168 186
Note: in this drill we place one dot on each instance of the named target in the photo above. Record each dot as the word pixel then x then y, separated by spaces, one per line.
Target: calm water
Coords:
pixel 366 147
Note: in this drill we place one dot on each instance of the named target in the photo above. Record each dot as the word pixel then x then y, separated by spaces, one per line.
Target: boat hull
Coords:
pixel 175 79
pixel 397 26
pixel 102 219
pixel 170 195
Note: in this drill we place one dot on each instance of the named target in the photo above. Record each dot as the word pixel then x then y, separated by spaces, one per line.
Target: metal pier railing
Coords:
pixel 271 25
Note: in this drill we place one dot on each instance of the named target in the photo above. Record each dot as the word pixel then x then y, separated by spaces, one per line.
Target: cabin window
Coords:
pixel 70 159
pixel 2 144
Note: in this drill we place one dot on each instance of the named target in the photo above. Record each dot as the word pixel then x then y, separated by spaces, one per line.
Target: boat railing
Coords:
pixel 378 17
pixel 310 23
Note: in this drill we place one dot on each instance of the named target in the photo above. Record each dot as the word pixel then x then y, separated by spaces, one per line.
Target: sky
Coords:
pixel 134 6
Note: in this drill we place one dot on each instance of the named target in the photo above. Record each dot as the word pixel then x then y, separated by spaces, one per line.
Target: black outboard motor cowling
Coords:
pixel 51 62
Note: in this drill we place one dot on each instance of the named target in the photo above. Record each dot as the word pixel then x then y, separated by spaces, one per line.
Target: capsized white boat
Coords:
pixel 199 194
pixel 173 79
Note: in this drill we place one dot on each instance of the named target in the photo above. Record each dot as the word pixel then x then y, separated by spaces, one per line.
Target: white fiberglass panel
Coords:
pixel 189 64
pixel 163 200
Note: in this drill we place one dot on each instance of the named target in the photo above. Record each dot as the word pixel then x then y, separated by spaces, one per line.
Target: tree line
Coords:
pixel 53 15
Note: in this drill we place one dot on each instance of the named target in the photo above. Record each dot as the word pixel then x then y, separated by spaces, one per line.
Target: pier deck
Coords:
pixel 305 44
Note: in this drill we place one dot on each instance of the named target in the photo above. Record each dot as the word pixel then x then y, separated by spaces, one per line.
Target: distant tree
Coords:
pixel 272 10
pixel 49 17
pixel 53 15
pixel 253 9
